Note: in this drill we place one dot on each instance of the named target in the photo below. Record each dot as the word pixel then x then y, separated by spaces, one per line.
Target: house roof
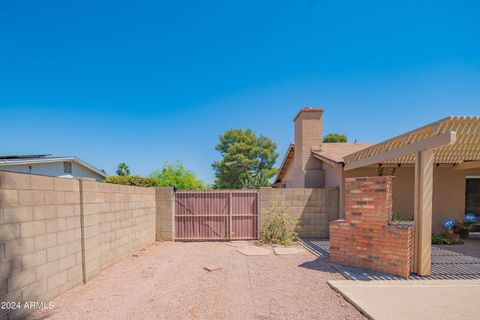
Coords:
pixel 333 153
pixel 12 160
pixel 330 152
pixel 286 162
pixel 464 147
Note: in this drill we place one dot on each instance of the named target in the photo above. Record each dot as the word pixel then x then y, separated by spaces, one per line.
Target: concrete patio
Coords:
pixel 458 262
pixel 414 300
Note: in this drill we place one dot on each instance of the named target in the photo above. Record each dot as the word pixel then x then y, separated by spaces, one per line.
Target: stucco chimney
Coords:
pixel 308 134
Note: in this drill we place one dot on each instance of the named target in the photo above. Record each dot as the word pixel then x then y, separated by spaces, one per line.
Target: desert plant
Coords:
pixel 278 226
pixel 254 182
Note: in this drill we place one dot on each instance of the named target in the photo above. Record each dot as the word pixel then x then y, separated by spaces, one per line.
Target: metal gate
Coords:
pixel 216 215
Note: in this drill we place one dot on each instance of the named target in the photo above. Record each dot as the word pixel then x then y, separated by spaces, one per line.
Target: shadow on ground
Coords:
pixel 459 262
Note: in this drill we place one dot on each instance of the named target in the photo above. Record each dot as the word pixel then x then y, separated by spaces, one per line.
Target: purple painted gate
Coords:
pixel 216 215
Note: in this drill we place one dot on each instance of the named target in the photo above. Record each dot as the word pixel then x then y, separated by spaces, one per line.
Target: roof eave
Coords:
pixel 49 160
pixel 291 148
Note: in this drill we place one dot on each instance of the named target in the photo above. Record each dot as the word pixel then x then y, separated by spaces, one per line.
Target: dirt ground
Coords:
pixel 168 281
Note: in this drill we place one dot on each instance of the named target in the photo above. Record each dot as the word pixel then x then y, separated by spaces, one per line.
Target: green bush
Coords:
pixel 278 226
pixel 438 238
pixel 133 181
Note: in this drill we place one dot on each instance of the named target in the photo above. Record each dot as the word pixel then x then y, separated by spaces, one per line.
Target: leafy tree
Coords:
pixel 335 137
pixel 175 175
pixel 245 156
pixel 123 169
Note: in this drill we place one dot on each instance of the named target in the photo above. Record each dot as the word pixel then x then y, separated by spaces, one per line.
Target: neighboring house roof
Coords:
pixel 330 152
pixel 13 160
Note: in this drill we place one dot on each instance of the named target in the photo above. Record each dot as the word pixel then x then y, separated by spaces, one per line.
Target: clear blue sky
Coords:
pixel 152 81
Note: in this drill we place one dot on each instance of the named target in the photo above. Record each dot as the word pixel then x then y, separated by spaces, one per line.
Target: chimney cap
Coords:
pixel 308 109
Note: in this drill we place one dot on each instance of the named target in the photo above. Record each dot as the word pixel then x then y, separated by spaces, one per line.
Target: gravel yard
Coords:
pixel 168 281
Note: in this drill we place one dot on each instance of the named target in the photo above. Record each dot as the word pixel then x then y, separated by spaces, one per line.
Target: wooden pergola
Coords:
pixel 453 142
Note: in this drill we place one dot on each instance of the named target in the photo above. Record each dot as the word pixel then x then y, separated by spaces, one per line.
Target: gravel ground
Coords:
pixel 167 281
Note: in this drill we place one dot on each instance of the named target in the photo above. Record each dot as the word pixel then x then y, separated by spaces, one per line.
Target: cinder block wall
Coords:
pixel 41 233
pixel 314 207
pixel 40 237
pixel 366 238
pixel 117 220
pixel 165 220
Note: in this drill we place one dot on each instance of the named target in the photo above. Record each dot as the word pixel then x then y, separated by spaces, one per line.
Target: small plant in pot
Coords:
pixel 464 228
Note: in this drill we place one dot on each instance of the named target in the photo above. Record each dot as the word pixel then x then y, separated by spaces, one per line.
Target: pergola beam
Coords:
pixel 414 147
pixel 467 165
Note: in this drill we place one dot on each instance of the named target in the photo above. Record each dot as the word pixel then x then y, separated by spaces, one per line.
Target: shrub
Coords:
pixel 278 226
pixel 438 238
pixel 176 175
pixel 396 217
pixel 132 181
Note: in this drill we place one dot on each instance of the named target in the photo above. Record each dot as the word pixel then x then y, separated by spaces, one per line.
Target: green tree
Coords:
pixel 335 137
pixel 175 175
pixel 122 169
pixel 245 158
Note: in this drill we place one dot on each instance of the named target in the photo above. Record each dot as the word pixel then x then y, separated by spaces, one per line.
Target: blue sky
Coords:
pixel 152 81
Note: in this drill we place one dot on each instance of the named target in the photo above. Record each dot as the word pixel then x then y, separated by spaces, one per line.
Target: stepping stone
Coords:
pixel 290 250
pixel 253 251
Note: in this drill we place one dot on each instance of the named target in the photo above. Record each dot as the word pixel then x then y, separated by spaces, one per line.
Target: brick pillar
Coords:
pixel 366 238
pixel 368 201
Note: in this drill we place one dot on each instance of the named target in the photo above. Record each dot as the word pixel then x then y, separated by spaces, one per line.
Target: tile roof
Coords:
pixel 336 151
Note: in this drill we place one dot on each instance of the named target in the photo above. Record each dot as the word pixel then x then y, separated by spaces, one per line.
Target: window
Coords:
pixel 472 196
pixel 67 167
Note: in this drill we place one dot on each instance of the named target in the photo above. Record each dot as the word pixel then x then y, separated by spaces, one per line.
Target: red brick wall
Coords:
pixel 366 238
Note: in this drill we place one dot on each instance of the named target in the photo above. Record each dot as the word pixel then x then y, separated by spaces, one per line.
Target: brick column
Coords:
pixel 366 238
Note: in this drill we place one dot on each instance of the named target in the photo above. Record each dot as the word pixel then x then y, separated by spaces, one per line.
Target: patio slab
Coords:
pixel 253 251
pixel 405 299
pixel 288 250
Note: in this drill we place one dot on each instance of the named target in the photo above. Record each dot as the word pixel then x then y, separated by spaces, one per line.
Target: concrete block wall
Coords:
pixel 117 220
pixel 366 238
pixel 315 208
pixel 40 238
pixel 55 230
pixel 165 220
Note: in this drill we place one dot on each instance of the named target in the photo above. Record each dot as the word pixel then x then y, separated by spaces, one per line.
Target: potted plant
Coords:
pixel 464 228
pixel 449 235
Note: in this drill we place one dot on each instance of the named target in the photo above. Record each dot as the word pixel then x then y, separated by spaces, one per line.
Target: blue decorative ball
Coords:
pixel 448 223
pixel 470 217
